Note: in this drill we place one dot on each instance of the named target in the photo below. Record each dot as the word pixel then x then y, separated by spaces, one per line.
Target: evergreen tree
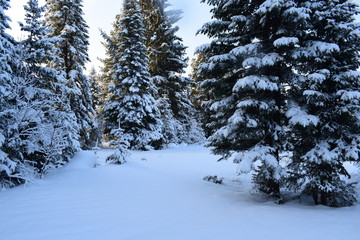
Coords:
pixel 281 75
pixel 27 102
pixel 57 129
pixel 65 19
pixel 167 63
pixel 130 106
pixel 325 104
pixel 153 15
pixel 199 96
pixel 97 99
pixel 244 72
pixel 95 88
pixel 121 147
pixel 9 167
pixel 6 43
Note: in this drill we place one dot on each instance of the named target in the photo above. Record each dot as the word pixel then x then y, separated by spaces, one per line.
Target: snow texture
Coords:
pixel 161 198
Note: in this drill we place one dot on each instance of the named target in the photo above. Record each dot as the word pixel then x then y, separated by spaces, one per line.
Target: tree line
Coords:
pixel 50 108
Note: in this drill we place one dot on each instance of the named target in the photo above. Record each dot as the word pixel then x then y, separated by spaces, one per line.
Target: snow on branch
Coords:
pixel 298 116
pixel 248 49
pixel 252 62
pixel 270 5
pixel 348 95
pixel 256 83
pixel 271 59
pixel 286 41
pixel 324 47
pixel 299 13
pixel 221 104
pixel 222 58
pixel 247 159
pixel 317 77
pixel 351 75
pixel 322 152
pixel 203 48
pixel 239 18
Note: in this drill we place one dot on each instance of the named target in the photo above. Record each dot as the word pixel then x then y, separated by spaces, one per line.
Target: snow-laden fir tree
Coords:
pixel 95 88
pixel 21 120
pixel 25 102
pixel 244 72
pixel 57 137
pixel 152 12
pixel 8 165
pixel 167 63
pixel 324 109
pixel 199 96
pixel 65 19
pixel 130 106
pixel 97 100
pixel 121 145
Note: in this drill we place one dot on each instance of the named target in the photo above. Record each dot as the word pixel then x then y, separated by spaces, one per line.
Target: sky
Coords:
pixel 100 14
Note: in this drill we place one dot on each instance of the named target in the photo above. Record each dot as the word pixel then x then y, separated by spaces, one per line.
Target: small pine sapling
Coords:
pixel 121 148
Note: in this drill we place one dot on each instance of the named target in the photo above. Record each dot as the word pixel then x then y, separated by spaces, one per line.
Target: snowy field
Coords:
pixel 160 195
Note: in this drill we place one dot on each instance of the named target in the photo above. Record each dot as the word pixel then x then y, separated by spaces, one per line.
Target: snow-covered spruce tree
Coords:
pixel 324 111
pixel 198 96
pixel 20 113
pixel 130 106
pixel 245 73
pixel 152 13
pixel 97 100
pixel 23 105
pixel 121 147
pixel 167 63
pixel 21 120
pixel 95 88
pixel 8 165
pixel 56 140
pixel 65 19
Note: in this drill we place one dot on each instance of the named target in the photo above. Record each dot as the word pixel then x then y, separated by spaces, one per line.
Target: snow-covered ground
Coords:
pixel 160 195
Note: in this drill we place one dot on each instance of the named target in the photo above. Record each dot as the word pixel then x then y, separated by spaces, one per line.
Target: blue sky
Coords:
pixel 99 14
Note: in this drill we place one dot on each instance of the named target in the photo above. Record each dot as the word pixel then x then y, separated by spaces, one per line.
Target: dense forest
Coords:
pixel 276 90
